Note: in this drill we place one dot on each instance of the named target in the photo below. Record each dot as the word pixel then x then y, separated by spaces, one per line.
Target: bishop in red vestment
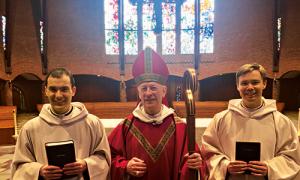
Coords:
pixel 151 142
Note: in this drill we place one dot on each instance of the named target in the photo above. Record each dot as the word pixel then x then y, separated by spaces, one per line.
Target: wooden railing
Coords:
pixel 204 109
pixel 110 110
pixel 207 109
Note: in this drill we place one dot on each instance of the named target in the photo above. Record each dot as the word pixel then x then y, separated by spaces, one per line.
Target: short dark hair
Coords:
pixel 246 68
pixel 58 73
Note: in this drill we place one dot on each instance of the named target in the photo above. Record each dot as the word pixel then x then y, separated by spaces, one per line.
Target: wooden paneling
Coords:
pixel 7 124
pixel 107 109
pixel 112 110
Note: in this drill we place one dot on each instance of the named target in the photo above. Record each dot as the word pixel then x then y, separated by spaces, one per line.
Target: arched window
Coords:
pixel 165 25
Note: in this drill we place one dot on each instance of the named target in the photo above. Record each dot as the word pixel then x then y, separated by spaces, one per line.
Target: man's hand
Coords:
pixel 75 168
pixel 237 167
pixel 193 161
pixel 51 172
pixel 258 168
pixel 136 167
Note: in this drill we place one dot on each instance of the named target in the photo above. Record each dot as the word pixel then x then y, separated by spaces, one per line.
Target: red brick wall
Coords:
pixel 243 34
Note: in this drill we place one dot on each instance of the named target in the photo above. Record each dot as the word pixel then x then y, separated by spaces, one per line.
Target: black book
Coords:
pixel 60 153
pixel 247 151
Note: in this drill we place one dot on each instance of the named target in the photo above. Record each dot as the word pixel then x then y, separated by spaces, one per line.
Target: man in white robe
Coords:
pixel 58 121
pixel 252 119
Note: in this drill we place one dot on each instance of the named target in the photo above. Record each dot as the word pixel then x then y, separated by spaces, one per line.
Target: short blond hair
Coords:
pixel 246 68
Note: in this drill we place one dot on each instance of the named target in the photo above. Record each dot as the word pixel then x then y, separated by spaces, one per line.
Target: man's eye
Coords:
pixel 64 89
pixel 153 88
pixel 52 89
pixel 244 83
pixel 255 82
pixel 144 88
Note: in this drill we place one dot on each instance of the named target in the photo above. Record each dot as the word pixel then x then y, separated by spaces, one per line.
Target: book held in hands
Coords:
pixel 247 151
pixel 60 153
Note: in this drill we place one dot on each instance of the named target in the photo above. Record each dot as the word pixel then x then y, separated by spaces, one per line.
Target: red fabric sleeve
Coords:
pixel 119 162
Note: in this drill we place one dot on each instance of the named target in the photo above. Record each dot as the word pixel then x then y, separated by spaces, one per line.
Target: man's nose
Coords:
pixel 250 86
pixel 58 93
pixel 148 91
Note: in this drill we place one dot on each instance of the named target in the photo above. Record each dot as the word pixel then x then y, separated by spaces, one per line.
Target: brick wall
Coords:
pixel 243 34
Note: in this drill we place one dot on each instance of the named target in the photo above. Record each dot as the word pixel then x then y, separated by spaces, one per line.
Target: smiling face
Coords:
pixel 60 92
pixel 151 95
pixel 250 87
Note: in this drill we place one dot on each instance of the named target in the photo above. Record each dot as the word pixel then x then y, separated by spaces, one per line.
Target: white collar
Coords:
pixel 158 118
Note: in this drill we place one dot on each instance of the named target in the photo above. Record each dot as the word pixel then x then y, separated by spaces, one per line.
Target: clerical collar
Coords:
pixel 158 118
pixel 62 115
pixel 152 118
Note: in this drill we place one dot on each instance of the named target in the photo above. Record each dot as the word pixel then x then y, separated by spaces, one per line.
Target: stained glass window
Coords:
pixel 177 31
pixel 188 25
pixel 278 33
pixel 130 27
pixel 3 21
pixel 42 35
pixel 149 38
pixel 111 26
pixel 206 26
pixel 168 28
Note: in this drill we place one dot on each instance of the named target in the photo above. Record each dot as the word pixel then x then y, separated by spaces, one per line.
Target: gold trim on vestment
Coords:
pixel 154 153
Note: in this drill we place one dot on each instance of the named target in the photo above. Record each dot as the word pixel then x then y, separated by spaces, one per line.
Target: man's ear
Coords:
pixel 237 86
pixel 138 92
pixel 265 84
pixel 165 89
pixel 46 90
pixel 73 90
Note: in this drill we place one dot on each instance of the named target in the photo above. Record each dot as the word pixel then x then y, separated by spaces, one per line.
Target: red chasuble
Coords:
pixel 161 146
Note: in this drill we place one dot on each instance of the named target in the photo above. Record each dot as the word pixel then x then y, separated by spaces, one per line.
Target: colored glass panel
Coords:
pixel 111 41
pixel 42 36
pixel 148 20
pixel 3 20
pixel 206 39
pixel 130 16
pixel 168 16
pixel 278 33
pixel 130 42
pixel 187 24
pixel 187 41
pixel 188 14
pixel 206 26
pixel 111 14
pixel 149 39
pixel 168 42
